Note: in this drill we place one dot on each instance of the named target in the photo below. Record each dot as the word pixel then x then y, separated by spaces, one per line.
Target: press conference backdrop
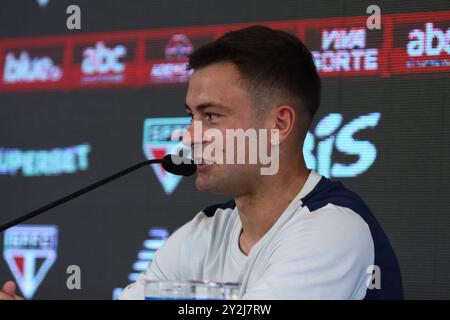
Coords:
pixel 78 105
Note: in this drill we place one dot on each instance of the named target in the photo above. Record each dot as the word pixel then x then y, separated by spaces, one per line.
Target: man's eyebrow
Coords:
pixel 205 105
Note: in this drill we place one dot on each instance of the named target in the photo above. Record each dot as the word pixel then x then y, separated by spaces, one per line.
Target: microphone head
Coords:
pixel 179 166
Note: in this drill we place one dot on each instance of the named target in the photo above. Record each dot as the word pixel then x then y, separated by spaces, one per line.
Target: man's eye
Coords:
pixel 211 116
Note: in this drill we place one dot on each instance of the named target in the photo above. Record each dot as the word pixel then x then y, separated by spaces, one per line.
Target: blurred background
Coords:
pixel 78 105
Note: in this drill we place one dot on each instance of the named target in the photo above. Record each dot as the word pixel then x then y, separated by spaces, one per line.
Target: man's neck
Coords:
pixel 260 209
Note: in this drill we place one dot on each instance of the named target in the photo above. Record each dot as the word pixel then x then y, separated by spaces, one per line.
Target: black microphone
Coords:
pixel 171 163
pixel 179 166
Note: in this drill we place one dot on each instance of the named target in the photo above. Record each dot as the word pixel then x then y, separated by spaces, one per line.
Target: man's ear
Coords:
pixel 283 119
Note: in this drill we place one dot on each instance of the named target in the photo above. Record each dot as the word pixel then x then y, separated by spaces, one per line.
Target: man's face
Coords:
pixel 217 99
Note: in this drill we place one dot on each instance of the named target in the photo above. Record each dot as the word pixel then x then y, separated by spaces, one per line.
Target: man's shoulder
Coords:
pixel 334 209
pixel 333 197
pixel 334 192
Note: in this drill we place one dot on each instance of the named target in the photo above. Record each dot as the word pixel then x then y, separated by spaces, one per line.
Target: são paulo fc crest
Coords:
pixel 30 251
pixel 157 143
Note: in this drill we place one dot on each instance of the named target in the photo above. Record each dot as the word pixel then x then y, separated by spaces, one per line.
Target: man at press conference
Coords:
pixel 290 235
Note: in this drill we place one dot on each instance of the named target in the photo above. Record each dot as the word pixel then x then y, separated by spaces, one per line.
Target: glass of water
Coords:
pixel 168 290
pixel 190 290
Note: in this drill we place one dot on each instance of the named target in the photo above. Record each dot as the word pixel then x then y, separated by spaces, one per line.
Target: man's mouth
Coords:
pixel 203 165
pixel 203 161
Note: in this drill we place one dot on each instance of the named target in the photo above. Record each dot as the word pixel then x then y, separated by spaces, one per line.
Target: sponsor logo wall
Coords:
pixel 407 43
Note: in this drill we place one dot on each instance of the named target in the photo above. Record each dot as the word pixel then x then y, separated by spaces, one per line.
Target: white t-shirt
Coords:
pixel 316 251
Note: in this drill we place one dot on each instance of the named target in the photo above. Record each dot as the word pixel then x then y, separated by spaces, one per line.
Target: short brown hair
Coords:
pixel 271 61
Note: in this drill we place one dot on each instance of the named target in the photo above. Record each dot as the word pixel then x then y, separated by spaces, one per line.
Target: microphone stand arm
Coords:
pixel 77 194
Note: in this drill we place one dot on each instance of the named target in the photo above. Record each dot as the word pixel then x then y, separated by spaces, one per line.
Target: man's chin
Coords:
pixel 201 183
pixel 205 183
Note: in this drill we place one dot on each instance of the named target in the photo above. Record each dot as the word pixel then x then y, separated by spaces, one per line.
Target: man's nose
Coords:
pixel 194 134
